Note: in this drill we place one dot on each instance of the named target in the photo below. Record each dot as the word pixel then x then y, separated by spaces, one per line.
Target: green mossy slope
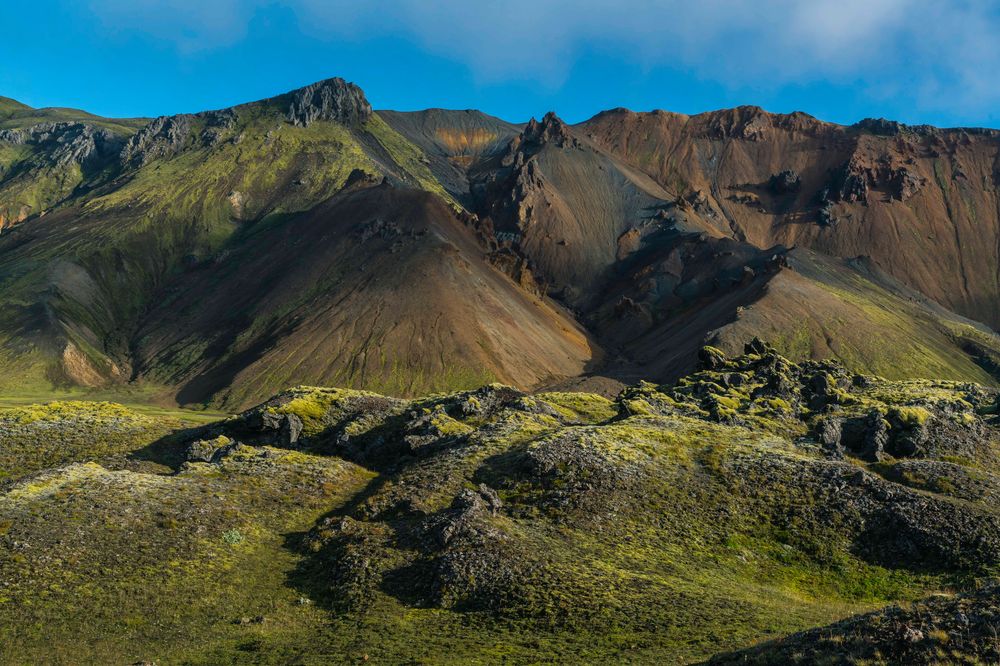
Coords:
pixel 752 499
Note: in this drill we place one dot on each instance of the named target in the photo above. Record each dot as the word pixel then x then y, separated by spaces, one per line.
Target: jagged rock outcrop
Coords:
pixel 208 450
pixel 262 425
pixel 752 123
pixel 64 143
pixel 334 100
pixel 854 182
pixel 168 135
pixel 550 128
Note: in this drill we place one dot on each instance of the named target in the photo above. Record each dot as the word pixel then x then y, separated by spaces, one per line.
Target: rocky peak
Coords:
pixel 884 127
pixel 333 99
pixel 881 126
pixel 551 129
pixel 752 123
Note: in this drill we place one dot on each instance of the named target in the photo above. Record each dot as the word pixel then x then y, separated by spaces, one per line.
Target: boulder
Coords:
pixel 711 358
pixel 208 450
pixel 785 182
pixel 830 432
pixel 466 514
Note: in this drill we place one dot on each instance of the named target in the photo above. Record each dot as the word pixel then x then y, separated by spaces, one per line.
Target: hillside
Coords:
pixel 747 501
pixel 377 287
pixel 186 192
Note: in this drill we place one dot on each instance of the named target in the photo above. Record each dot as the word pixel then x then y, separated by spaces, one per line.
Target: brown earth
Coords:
pixel 377 287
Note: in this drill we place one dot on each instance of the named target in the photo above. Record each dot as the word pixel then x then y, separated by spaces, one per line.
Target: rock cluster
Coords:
pixel 165 135
pixel 473 487
pixel 551 129
pixel 65 143
pixel 168 135
pixel 856 179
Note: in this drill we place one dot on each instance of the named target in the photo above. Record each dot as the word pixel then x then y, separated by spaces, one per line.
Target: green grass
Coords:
pixel 657 535
pixel 162 556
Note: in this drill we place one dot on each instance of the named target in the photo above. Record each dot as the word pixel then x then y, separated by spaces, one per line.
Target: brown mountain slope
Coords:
pixel 686 290
pixel 571 209
pixel 377 287
pixel 648 266
pixel 922 202
pixel 452 141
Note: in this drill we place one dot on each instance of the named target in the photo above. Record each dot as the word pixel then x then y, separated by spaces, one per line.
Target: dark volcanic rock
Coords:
pixel 477 564
pixel 711 358
pixel 163 136
pixel 551 129
pixel 207 450
pixel 264 426
pixel 881 126
pixel 169 135
pixel 465 516
pixel 66 143
pixel 962 627
pixel 285 428
pixel 334 100
pixel 785 182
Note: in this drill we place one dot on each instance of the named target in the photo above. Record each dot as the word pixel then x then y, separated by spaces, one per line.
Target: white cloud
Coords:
pixel 940 55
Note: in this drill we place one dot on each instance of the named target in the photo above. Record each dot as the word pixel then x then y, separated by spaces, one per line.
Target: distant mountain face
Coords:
pixel 920 201
pixel 222 256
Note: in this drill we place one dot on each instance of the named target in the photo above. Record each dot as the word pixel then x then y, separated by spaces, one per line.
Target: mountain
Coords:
pixel 377 287
pixel 216 258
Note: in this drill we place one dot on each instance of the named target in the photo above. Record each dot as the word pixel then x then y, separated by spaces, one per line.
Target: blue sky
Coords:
pixel 840 60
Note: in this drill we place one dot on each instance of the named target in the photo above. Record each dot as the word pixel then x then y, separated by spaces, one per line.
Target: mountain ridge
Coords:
pixel 616 222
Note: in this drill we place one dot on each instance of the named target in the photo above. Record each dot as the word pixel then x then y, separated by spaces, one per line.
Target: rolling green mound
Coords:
pixel 752 499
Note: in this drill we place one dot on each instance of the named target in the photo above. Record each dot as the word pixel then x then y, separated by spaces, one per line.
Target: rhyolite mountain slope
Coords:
pixel 752 499
pixel 378 287
pixel 921 201
pixel 219 257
